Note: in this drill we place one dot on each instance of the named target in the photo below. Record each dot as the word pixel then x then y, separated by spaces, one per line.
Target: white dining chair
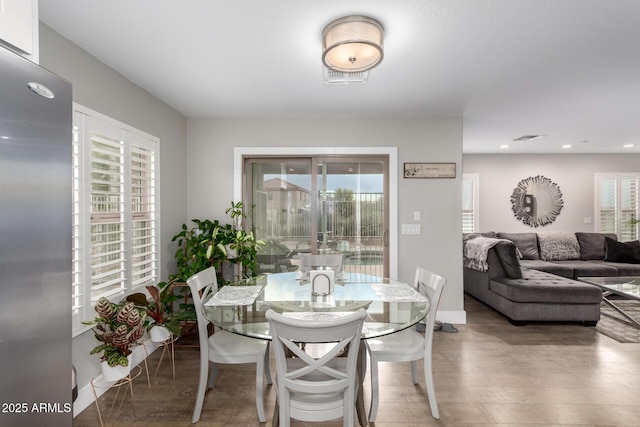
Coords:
pixel 322 387
pixel 409 345
pixel 314 261
pixel 224 347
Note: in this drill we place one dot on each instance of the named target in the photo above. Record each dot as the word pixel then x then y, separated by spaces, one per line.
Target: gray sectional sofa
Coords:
pixel 531 276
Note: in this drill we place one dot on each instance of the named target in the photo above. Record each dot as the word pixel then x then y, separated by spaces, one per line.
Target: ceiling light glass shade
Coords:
pixel 352 44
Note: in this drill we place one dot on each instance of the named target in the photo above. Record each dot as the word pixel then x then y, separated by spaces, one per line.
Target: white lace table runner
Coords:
pixel 235 295
pixel 400 292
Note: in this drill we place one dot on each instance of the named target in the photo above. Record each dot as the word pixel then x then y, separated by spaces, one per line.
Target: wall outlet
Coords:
pixel 411 229
pixel 587 220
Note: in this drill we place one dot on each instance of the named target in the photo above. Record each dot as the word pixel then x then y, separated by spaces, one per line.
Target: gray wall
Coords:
pixel 211 145
pixel 102 89
pixel 499 174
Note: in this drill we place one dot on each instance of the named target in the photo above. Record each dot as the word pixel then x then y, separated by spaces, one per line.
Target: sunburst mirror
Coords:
pixel 536 201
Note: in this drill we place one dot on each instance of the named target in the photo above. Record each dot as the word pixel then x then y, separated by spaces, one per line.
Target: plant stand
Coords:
pixel 168 346
pixel 189 328
pixel 146 366
pixel 127 382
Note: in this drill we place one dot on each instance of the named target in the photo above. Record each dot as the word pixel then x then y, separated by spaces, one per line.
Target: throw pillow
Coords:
pixel 628 252
pixel 592 245
pixel 508 256
pixel 527 243
pixel 558 246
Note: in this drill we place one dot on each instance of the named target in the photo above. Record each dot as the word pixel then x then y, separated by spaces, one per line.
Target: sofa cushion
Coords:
pixel 559 269
pixel 508 256
pixel 625 269
pixel 628 252
pixel 527 243
pixel 592 245
pixel 558 246
pixel 591 268
pixel 540 287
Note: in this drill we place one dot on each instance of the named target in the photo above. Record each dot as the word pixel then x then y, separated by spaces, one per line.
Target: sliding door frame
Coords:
pixel 392 152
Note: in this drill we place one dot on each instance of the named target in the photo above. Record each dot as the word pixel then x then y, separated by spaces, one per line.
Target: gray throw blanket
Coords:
pixel 476 250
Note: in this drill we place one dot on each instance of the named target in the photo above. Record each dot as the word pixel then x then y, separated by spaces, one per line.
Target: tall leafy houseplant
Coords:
pixel 196 249
pixel 213 244
pixel 242 243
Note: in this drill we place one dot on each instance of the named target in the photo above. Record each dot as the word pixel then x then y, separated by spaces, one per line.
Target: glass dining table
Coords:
pixel 391 306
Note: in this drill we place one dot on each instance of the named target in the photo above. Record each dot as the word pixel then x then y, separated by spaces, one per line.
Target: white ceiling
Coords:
pixel 568 69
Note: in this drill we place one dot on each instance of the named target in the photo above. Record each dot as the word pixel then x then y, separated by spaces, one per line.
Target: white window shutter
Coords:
pixel 470 203
pixel 115 211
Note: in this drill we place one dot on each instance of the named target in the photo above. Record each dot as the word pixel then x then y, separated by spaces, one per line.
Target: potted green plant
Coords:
pixel 163 321
pixel 211 243
pixel 242 244
pixel 118 328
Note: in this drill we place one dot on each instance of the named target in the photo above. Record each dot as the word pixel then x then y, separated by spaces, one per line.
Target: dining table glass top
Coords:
pixel 240 307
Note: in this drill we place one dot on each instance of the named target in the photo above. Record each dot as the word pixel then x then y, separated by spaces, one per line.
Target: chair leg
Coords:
pixel 431 391
pixel 267 366
pixel 373 409
pixel 283 401
pixel 213 375
pixel 202 384
pixel 414 372
pixel 348 418
pixel 260 372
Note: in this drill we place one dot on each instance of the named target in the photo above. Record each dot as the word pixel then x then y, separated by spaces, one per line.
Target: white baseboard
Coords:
pixel 85 394
pixel 453 317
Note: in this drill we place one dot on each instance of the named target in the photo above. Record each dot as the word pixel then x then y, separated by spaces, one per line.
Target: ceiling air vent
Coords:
pixel 527 138
pixel 339 77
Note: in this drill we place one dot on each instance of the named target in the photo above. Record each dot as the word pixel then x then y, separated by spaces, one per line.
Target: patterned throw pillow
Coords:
pixel 558 246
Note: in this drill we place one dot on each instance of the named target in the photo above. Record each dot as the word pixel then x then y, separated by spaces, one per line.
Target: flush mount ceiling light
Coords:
pixel 352 44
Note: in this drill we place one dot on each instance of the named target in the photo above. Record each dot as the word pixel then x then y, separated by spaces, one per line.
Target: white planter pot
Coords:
pixel 159 334
pixel 231 252
pixel 114 373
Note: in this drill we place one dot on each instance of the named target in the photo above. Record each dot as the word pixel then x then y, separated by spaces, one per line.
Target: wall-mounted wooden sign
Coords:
pixel 429 170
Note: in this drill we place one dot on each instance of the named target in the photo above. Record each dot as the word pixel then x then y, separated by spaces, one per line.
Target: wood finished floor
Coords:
pixel 489 373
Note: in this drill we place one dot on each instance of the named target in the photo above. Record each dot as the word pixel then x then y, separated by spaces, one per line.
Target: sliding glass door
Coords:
pixel 332 204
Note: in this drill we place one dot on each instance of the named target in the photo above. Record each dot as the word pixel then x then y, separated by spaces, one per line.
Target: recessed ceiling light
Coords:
pixel 567 146
pixel 628 145
pixel 505 146
pixel 527 138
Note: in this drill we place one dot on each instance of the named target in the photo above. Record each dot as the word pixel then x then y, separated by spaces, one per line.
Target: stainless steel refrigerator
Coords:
pixel 35 245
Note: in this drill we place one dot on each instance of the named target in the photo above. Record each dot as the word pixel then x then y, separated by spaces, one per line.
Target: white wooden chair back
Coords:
pixel 330 378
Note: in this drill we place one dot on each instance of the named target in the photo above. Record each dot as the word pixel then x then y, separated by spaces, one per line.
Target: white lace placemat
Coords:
pixel 316 315
pixel 235 295
pixel 400 292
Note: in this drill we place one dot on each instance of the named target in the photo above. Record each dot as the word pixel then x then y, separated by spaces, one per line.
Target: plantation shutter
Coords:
pixel 144 242
pixel 617 201
pixel 607 204
pixel 628 208
pixel 107 215
pixel 77 242
pixel 115 212
pixel 469 203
